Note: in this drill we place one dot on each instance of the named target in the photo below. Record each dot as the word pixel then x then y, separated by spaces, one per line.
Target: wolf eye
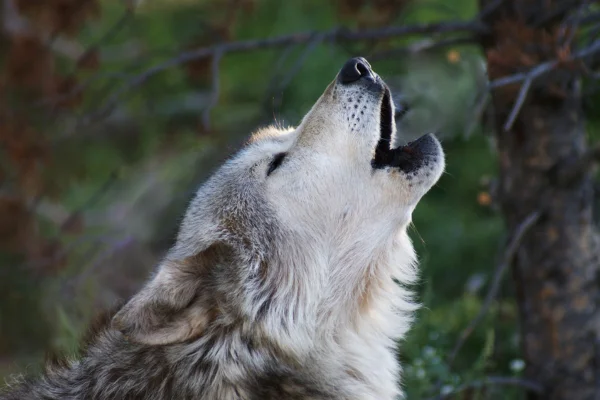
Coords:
pixel 275 162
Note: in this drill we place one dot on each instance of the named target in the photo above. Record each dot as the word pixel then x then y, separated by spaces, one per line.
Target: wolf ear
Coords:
pixel 170 308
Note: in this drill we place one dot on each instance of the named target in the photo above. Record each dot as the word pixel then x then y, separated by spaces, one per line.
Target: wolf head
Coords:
pixel 303 232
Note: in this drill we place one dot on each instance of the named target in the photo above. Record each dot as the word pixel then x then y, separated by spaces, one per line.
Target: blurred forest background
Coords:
pixel 113 112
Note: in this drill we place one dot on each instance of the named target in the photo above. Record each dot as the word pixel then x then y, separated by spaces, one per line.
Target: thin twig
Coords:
pixel 573 22
pixel 214 95
pixel 310 47
pixel 476 115
pixel 77 90
pixel 423 46
pixel 102 250
pixel 494 381
pixel 590 18
pixel 277 73
pixel 105 254
pixel 504 263
pixel 276 93
pixel 544 67
pixel 70 219
pixel 279 64
pixel 528 78
pixel 92 200
pixel 518 104
pixel 111 32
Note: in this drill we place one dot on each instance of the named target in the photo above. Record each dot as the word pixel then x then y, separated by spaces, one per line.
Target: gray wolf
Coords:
pixel 288 278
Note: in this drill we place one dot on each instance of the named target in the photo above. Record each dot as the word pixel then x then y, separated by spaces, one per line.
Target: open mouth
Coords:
pixel 407 158
pixel 383 151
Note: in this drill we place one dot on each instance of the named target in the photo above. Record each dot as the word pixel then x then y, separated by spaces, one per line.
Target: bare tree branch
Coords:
pixel 557 13
pixel 110 32
pixel 506 260
pixel 277 87
pixel 476 113
pixel 530 76
pixel 430 44
pixel 337 34
pixel 214 95
pixel 424 45
pixel 571 24
pixel 472 29
pixel 92 200
pixel 590 18
pixel 494 381
pixel 80 88
pixel 543 68
pixel 310 47
pixel 519 102
pixel 279 64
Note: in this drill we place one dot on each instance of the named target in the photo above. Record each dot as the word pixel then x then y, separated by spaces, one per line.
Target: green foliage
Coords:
pixel 22 292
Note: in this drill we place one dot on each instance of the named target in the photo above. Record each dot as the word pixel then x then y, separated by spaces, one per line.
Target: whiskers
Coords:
pixel 413 227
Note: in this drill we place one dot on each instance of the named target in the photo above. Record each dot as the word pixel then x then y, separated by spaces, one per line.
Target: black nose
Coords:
pixel 354 69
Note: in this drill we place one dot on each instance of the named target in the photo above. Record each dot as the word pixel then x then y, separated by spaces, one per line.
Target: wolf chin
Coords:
pixel 288 279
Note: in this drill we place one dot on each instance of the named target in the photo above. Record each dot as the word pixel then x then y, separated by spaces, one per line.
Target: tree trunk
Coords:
pixel 556 267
